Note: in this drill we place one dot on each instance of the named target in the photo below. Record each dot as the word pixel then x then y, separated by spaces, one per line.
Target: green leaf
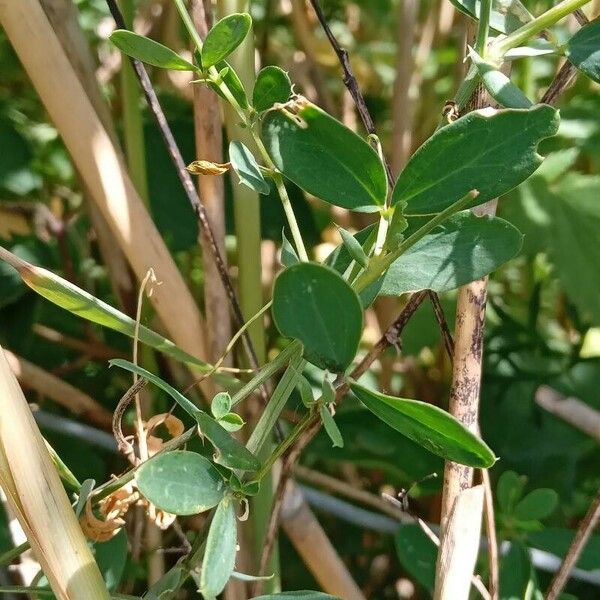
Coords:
pixel 574 213
pixel 288 253
pixel 268 419
pixel 229 452
pixel 63 293
pixel 325 158
pixel 219 557
pixel 299 595
pixel 312 303
pixel 16 175
pixel 232 81
pixel 331 427
pixel 463 249
pixel 272 85
pixel 246 167
pixel 306 392
pixel 500 87
pixel 220 405
pixel 354 248
pixel 538 504
pixel 226 35
pixel 506 16
pixel 180 482
pixel 583 50
pixel 111 557
pixel 428 426
pixel 165 587
pixel 489 150
pixel 148 51
pixel 327 391
pixel 231 422
pixel 84 493
pixel 517 576
pixel 509 490
pixel 417 554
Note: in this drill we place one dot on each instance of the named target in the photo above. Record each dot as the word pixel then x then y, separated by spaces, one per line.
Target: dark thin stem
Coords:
pixel 443 324
pixel 124 446
pixel 586 527
pixel 188 186
pixel 560 83
pixel 350 80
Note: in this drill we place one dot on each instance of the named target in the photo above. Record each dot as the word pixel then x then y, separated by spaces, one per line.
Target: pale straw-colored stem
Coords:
pixel 59 391
pixel 38 499
pixel 101 166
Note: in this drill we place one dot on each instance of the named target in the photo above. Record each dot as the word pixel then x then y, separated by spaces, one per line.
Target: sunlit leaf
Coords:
pixel 148 51
pixel 331 427
pixel 499 86
pixel 220 405
pixel 428 426
pixel 226 35
pixel 246 168
pixel 272 85
pixel 229 452
pixel 488 150
pixel 312 303
pixel 325 158
pixel 463 249
pixel 233 83
pixel 65 294
pixel 180 482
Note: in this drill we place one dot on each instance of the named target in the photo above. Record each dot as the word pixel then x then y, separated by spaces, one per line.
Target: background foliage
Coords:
pixel 543 322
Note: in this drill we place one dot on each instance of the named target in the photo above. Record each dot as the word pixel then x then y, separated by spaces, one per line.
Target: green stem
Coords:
pixel 287 443
pixel 267 371
pixel 133 127
pixel 537 25
pixel 10 555
pixel 244 115
pixel 483 29
pixel 263 430
pixel 380 264
pixel 382 229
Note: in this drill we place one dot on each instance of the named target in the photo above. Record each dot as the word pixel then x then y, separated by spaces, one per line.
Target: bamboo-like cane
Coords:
pixel 209 146
pixel 459 545
pixel 59 391
pixel 63 17
pixel 101 166
pixel 311 542
pixel 37 497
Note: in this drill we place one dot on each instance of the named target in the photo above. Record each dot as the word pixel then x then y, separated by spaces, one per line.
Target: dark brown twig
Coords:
pixel 188 186
pixel 586 527
pixel 441 319
pixel 350 80
pixel 563 79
